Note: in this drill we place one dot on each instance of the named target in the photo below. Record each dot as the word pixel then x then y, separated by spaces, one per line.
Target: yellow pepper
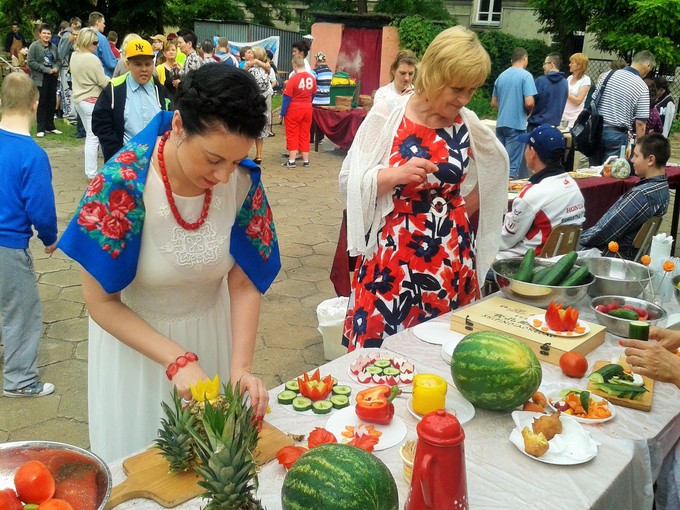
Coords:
pixel 429 393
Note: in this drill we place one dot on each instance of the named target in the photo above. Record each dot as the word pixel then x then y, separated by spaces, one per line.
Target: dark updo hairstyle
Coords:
pixel 221 95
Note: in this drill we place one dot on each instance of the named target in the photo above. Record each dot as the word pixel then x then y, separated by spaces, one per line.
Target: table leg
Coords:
pixel 674 221
pixel 317 135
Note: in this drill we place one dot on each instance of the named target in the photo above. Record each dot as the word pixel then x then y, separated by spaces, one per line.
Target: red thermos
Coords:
pixel 439 481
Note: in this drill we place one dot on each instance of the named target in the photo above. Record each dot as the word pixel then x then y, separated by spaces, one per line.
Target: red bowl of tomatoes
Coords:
pixel 37 471
pixel 617 312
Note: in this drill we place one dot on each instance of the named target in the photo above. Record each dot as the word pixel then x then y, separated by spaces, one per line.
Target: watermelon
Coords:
pixel 339 477
pixel 495 371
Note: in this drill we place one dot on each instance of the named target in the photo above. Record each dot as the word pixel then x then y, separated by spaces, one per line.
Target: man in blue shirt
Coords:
pixel 128 104
pixel 513 95
pixel 104 53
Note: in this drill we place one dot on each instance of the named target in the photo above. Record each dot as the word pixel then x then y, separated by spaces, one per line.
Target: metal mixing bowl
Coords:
pixel 620 326
pixel 532 293
pixel 615 277
pixel 72 461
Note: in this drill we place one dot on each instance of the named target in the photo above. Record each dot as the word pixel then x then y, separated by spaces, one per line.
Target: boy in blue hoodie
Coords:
pixel 552 90
pixel 26 201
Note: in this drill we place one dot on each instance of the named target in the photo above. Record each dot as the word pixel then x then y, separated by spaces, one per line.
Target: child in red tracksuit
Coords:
pixel 297 112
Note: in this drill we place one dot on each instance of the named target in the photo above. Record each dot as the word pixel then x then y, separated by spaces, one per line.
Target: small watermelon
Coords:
pixel 495 371
pixel 339 477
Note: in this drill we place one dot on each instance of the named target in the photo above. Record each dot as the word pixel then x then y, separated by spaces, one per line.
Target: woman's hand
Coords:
pixel 186 376
pixel 414 171
pixel 653 360
pixel 259 397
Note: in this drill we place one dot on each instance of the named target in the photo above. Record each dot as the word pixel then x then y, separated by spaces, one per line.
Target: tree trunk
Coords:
pixel 362 6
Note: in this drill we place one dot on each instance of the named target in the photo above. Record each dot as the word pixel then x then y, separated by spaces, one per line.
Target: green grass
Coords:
pixel 66 138
pixel 276 101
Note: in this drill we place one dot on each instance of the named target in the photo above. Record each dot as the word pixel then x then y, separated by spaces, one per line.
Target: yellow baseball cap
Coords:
pixel 138 48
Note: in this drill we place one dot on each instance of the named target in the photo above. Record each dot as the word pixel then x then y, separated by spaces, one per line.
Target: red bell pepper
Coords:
pixel 374 405
pixel 561 320
pixel 315 388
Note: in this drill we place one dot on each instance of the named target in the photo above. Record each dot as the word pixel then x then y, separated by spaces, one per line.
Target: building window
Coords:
pixel 488 12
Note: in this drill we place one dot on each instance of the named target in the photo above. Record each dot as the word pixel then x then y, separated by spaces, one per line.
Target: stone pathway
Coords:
pixel 307 209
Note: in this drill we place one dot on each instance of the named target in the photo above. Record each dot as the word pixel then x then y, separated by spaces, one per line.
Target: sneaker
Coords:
pixel 305 164
pixel 54 131
pixel 40 134
pixel 79 135
pixel 37 389
pixel 289 164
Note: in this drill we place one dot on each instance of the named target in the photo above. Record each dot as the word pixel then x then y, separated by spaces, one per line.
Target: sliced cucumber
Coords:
pixel 339 401
pixel 391 371
pixel 383 363
pixel 373 370
pixel 293 386
pixel 638 330
pixel 286 397
pixel 596 377
pixel 302 404
pixel 341 389
pixel 322 407
pixel 334 380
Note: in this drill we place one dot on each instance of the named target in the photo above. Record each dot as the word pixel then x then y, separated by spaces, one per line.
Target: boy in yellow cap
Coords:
pixel 130 101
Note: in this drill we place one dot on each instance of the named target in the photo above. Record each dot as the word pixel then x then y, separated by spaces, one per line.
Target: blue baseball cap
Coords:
pixel 545 140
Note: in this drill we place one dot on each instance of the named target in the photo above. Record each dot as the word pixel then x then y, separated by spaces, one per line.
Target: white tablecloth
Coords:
pixel 633 444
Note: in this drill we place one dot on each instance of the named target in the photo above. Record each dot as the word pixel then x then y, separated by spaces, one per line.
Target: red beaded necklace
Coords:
pixel 168 192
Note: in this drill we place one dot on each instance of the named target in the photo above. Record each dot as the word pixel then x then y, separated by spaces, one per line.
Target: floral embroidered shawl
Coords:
pixel 105 233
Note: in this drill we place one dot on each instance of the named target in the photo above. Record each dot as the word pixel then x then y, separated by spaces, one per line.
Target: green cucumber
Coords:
pixel 538 275
pixel 334 381
pixel 293 386
pixel 607 372
pixel 526 268
pixel 341 389
pixel 576 277
pixel 373 370
pixel 621 391
pixel 302 404
pixel 638 330
pixel 559 270
pixel 391 371
pixel 286 397
pixel 339 401
pixel 596 377
pixel 322 407
pixel 622 313
pixel 383 363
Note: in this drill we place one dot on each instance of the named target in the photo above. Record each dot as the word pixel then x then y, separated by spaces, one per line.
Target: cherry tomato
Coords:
pixel 9 500
pixel 55 504
pixel 34 482
pixel 573 364
pixel 561 406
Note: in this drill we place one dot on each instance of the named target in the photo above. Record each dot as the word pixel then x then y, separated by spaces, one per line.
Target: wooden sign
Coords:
pixel 510 317
pixel 643 404
pixel 148 474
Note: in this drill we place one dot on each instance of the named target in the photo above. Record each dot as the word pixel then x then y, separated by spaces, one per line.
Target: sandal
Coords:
pixel 257 161
pixel 37 389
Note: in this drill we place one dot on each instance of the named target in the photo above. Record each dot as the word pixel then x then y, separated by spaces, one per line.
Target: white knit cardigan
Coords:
pixel 488 170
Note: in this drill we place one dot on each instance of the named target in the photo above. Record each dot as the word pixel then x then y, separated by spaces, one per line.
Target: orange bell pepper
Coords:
pixel 561 320
pixel 374 405
pixel 315 388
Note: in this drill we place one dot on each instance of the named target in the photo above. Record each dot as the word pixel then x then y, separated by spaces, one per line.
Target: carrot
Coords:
pixel 579 330
pixel 538 323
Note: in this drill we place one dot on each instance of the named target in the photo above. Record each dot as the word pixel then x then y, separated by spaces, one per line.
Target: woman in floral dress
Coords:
pixel 412 186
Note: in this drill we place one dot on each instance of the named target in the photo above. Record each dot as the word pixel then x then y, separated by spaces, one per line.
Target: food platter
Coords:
pixel 555 397
pixel 437 333
pixel 456 404
pixel 359 370
pixel 392 434
pixel 572 446
pixel 534 319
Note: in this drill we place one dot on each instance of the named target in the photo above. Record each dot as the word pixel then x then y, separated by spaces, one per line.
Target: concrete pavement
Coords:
pixel 307 209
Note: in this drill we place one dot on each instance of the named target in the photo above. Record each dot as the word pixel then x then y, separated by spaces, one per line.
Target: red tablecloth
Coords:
pixel 599 193
pixel 339 127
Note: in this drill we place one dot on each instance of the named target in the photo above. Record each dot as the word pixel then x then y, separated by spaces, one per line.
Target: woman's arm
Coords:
pixel 415 170
pixel 116 318
pixel 245 313
pixel 581 96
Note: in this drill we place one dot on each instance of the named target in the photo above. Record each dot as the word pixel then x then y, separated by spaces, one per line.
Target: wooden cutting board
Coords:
pixel 148 475
pixel 510 317
pixel 644 404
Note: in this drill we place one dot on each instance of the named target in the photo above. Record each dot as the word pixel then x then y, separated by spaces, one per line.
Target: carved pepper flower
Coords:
pixel 206 389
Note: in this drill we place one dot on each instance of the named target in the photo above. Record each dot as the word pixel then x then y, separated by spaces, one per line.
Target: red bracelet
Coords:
pixel 180 362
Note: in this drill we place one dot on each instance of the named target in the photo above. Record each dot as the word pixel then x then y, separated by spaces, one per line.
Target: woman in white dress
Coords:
pixel 161 299
pixel 402 72
pixel 579 85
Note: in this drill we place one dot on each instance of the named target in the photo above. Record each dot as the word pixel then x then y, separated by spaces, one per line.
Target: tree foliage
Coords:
pixel 563 19
pixel 416 33
pixel 431 10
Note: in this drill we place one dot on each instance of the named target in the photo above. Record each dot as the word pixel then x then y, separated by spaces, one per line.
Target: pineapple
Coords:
pixel 175 440
pixel 226 453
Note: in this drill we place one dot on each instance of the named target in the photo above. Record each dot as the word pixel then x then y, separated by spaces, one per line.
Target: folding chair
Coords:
pixel 562 239
pixel 643 239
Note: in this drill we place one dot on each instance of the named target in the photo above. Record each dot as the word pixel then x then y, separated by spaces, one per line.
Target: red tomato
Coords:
pixel 34 482
pixel 573 364
pixel 55 504
pixel 9 500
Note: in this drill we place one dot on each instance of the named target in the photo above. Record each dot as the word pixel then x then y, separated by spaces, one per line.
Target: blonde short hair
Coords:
pixel 126 41
pixel 582 60
pixel 259 53
pixel 18 93
pixel 454 57
pixel 298 62
pixel 85 37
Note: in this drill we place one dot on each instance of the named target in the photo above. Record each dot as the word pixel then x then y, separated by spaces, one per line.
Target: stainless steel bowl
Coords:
pixel 676 289
pixel 532 293
pixel 615 277
pixel 72 462
pixel 620 326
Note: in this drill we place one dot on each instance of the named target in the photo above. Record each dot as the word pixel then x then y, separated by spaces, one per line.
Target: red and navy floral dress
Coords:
pixel 424 265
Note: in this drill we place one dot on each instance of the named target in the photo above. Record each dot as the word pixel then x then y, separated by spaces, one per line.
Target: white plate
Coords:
pixel 406 387
pixel 555 397
pixel 436 333
pixel 572 446
pixel 565 334
pixel 456 404
pixel 447 350
pixel 392 434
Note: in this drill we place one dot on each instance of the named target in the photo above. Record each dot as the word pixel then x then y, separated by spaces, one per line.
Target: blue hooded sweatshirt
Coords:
pixel 552 91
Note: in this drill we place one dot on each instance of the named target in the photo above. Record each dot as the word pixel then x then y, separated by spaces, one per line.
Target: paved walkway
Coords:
pixel 307 209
